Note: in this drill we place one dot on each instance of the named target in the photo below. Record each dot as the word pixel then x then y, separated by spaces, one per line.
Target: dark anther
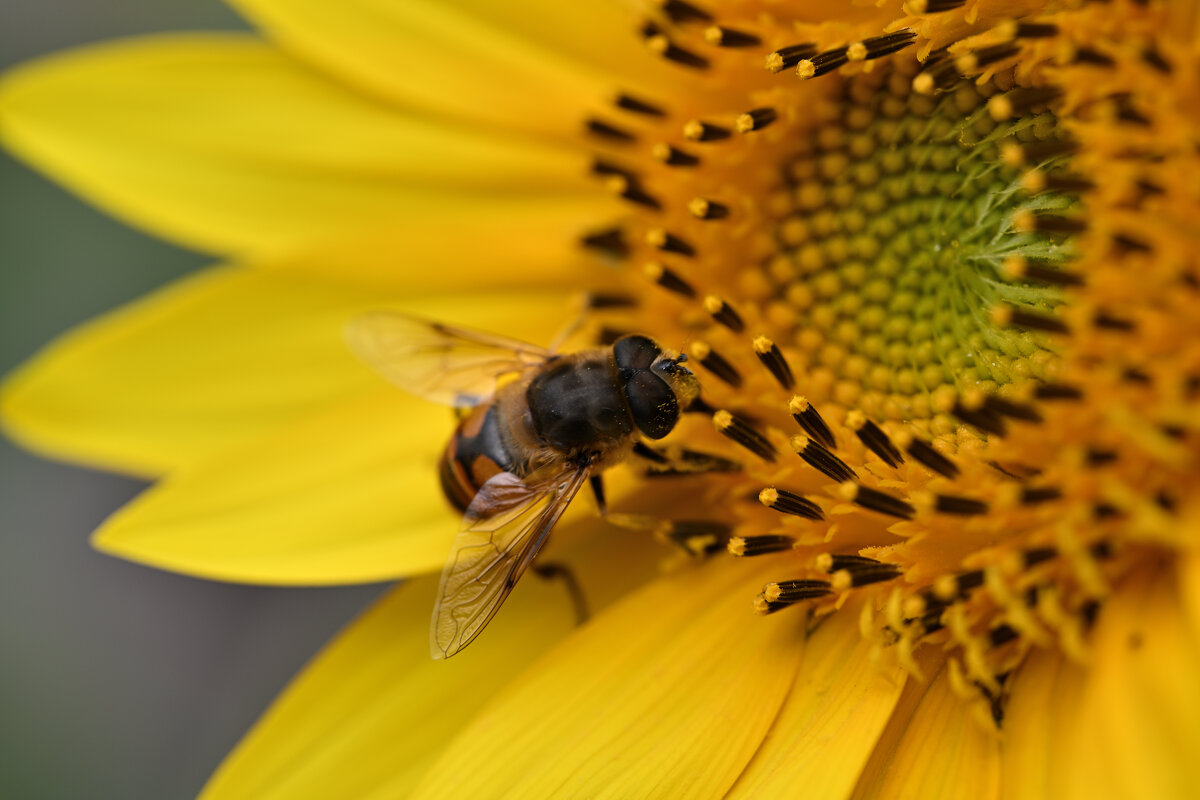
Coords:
pixel 822 63
pixel 807 417
pixel 1135 375
pixel 1054 223
pixel 1037 555
pixel 1002 634
pixel 1156 60
pixel 875 500
pixel 1088 613
pixel 1011 408
pixel 606 131
pixel 755 120
pixel 1036 321
pixel 728 37
pixel 795 590
pixel 611 241
pixel 724 313
pixel 597 300
pixel 1057 391
pixel 701 406
pixel 978 59
pixel 1085 55
pixel 772 358
pixel 669 242
pixel 673 156
pixel 1127 113
pixel 822 460
pixel 631 190
pixel 967 581
pixel 679 11
pixel 938 6
pixel 1103 319
pixel 833 562
pixel 983 418
pixel 941 73
pixel 875 439
pixel 961 506
pixel 880 46
pixel 790 56
pixel 602 166
pixel 673 52
pixel 715 363
pixel 1074 184
pixel 740 431
pixel 700 131
pixel 1032 495
pixel 931 622
pixel 786 502
pixel 1040 273
pixel 1036 30
pixel 877 573
pixel 923 453
pixel 1038 152
pixel 703 208
pixel 1126 243
pixel 1025 98
pixel 638 106
pixel 760 545
pixel 668 279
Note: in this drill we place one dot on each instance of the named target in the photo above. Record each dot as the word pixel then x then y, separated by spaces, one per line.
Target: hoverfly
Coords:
pixel 538 425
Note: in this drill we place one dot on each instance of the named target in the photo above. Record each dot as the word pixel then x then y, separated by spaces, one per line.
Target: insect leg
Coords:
pixel 681 461
pixel 597 483
pixel 556 571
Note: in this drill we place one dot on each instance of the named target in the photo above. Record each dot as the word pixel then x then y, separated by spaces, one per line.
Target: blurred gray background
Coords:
pixel 116 681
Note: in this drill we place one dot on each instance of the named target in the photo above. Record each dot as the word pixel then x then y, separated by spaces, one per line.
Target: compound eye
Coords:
pixel 652 403
pixel 635 352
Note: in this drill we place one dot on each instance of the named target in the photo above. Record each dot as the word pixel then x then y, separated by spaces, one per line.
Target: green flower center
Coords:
pixel 893 250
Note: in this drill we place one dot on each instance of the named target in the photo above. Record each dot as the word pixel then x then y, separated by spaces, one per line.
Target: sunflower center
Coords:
pixel 893 244
pixel 882 256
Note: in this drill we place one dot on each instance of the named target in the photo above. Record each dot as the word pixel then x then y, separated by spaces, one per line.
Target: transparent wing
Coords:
pixel 503 529
pixel 447 365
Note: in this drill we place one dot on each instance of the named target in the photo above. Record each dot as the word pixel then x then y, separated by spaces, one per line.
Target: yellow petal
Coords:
pixel 477 244
pixel 225 144
pixel 1042 714
pixel 373 710
pixel 532 66
pixel 941 750
pixel 831 721
pixel 221 356
pixel 348 496
pixel 668 694
pixel 1137 733
pixel 370 714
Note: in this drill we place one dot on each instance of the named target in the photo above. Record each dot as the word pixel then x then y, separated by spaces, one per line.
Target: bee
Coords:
pixel 536 425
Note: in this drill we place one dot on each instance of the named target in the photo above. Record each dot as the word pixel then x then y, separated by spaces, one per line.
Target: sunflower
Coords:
pixel 936 263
